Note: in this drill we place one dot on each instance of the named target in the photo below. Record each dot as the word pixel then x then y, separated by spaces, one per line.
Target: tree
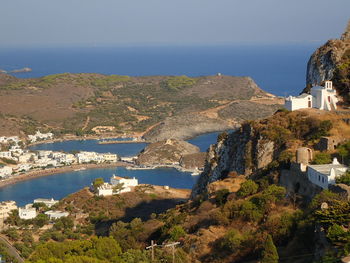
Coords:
pixel 248 187
pixel 269 253
pixel 343 179
pixel 98 182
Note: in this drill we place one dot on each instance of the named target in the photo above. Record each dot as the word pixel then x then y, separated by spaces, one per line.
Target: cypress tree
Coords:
pixel 269 253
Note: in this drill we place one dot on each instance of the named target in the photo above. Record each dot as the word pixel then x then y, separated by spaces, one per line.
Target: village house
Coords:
pixel 104 190
pixel 323 98
pixel 47 202
pixel 5 208
pixel 110 157
pixel 126 183
pixel 27 157
pixel 24 167
pixel 28 212
pixel 7 155
pixel 325 174
pixel 5 171
pixel 87 157
pixel 55 214
pixel 38 136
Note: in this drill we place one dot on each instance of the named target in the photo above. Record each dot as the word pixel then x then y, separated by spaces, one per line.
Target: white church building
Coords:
pixel 323 98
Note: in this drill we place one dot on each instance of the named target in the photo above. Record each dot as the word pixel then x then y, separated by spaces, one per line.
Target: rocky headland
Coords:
pixel 171 152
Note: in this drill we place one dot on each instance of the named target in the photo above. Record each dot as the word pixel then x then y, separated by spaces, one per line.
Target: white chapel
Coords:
pixel 323 98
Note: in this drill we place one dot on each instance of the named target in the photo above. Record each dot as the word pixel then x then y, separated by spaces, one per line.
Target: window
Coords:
pixel 319 178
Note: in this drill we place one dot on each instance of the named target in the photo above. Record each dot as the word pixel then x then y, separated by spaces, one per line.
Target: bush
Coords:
pixel 322 158
pixel 248 187
pixel 221 196
pixel 343 179
pixel 176 232
pixel 232 240
pixel 269 253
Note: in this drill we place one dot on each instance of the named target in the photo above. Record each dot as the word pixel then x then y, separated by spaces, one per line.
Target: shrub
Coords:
pixel 176 232
pixel 343 179
pixel 221 196
pixel 322 158
pixel 269 253
pixel 248 187
pixel 232 240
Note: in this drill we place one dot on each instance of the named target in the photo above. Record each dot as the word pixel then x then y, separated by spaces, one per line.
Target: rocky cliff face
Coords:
pixel 325 60
pixel 243 152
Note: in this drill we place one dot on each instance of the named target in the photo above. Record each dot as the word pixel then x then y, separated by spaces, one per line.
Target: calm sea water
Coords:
pixel 60 185
pixel 279 69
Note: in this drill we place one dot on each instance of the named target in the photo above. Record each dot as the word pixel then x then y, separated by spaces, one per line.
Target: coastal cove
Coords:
pixel 62 183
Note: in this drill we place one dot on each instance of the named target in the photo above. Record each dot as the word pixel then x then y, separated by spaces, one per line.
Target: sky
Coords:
pixel 165 22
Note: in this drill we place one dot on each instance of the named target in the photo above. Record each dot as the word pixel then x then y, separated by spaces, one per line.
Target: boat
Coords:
pixel 79 169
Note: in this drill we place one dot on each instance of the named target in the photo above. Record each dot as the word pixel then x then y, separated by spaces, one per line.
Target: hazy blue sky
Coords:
pixel 109 22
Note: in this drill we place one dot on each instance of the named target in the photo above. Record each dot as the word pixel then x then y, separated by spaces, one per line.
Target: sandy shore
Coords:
pixel 39 173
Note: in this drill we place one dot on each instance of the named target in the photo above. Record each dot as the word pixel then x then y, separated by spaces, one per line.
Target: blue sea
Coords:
pixel 279 69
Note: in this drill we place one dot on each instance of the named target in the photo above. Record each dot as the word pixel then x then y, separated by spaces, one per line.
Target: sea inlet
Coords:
pixel 60 185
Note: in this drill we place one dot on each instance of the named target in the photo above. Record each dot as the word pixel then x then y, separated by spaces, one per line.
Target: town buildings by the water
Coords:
pixel 18 159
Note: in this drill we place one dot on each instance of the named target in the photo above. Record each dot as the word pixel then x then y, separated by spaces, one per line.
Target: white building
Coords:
pixel 125 182
pixel 26 157
pixel 325 174
pixel 38 136
pixel 7 155
pixel 323 98
pixel 54 214
pixel 87 157
pixel 6 207
pixel 5 171
pixel 28 212
pixel 110 157
pixel 25 167
pixel 47 202
pixel 105 190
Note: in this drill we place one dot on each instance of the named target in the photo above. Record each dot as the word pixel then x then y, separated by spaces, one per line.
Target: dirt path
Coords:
pixel 86 123
pixel 10 249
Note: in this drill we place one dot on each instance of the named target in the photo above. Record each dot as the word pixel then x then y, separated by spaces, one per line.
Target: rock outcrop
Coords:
pixel 243 152
pixel 165 152
pixel 326 59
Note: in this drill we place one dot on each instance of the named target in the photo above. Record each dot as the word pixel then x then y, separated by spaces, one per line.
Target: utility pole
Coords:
pixel 172 245
pixel 152 246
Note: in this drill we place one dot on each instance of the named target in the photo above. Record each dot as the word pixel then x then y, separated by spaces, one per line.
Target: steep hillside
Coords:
pixel 76 103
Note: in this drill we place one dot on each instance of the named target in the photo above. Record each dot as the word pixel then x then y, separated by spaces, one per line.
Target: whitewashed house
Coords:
pixel 55 214
pixel 27 157
pixel 7 155
pixel 105 190
pixel 5 171
pixel 323 98
pixel 125 182
pixel 6 207
pixel 40 136
pixel 28 212
pixel 325 174
pixel 110 157
pixel 47 202
pixel 24 167
pixel 87 157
